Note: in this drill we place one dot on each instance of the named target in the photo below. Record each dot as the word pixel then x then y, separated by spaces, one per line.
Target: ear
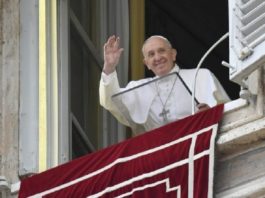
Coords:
pixel 174 54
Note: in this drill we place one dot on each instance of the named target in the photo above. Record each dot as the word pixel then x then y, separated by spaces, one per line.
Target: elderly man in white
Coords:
pixel 163 101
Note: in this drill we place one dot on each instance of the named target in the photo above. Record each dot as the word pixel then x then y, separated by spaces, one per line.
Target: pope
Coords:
pixel 163 98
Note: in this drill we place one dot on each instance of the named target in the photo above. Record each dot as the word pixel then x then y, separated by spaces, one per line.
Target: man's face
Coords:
pixel 159 56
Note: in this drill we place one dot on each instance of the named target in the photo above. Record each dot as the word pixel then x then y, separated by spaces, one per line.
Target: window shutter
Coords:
pixel 246 37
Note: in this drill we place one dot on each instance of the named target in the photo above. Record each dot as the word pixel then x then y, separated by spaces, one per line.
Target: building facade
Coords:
pixel 51 59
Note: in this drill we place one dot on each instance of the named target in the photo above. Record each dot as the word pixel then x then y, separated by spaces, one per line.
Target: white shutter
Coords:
pixel 246 37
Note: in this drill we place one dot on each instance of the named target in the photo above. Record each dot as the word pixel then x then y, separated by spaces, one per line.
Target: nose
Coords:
pixel 157 56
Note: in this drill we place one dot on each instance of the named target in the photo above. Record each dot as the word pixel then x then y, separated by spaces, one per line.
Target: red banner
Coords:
pixel 175 160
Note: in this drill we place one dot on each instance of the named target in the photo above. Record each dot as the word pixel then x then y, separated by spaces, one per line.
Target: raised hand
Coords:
pixel 112 53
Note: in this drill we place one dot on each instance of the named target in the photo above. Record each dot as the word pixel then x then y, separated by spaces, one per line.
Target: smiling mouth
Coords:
pixel 160 64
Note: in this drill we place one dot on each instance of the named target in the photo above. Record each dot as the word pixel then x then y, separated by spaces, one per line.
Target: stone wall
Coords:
pixel 9 89
pixel 240 156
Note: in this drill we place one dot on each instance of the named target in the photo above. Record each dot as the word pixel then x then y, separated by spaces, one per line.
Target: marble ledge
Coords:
pixel 250 131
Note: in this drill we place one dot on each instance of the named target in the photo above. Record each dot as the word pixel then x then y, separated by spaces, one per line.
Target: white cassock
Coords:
pixel 142 108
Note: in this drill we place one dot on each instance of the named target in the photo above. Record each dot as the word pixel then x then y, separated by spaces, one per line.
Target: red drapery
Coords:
pixel 175 160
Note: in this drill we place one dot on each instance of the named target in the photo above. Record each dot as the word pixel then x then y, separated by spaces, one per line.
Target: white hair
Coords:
pixel 156 36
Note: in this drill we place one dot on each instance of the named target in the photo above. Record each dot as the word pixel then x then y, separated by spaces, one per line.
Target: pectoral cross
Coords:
pixel 164 115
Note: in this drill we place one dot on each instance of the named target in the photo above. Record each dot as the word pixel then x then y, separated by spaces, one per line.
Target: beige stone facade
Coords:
pixel 9 93
pixel 240 145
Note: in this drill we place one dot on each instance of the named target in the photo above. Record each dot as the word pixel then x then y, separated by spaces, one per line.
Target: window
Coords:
pixel 91 23
pixel 247 37
pixel 85 71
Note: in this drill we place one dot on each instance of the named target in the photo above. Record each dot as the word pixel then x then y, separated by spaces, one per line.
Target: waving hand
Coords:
pixel 112 53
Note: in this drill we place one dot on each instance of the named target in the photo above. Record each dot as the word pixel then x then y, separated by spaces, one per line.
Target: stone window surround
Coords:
pixel 241 114
pixel 240 146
